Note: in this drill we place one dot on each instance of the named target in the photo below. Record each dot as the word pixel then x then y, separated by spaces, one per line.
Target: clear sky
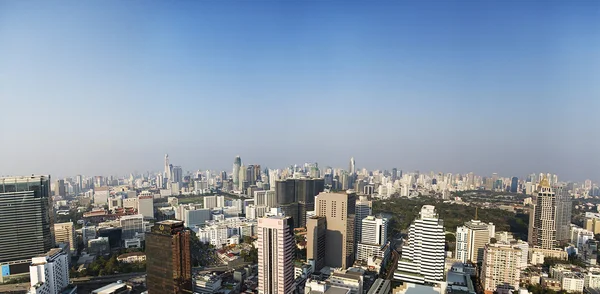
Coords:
pixel 109 87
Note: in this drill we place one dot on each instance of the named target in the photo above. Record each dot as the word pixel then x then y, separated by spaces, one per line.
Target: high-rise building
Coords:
pixel 514 184
pixel 168 261
pixel 470 241
pixel 266 198
pixel 296 196
pixel 501 267
pixel 65 233
pixel 339 212
pixel 542 219
pixel 316 229
pixel 352 167
pixel 374 230
pixel 167 172
pixel 564 209
pixel 237 163
pixel 26 223
pixel 49 272
pixel 177 174
pixel 276 251
pixel 423 254
pixel 60 188
pixel 363 209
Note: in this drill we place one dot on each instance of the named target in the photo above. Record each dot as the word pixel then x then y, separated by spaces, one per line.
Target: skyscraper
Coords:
pixel 423 254
pixel 177 174
pixel 25 218
pixel 339 212
pixel 167 172
pixel 169 263
pixel 514 184
pixel 237 163
pixel 564 209
pixel 276 250
pixel 542 219
pixel 297 196
pixel 352 167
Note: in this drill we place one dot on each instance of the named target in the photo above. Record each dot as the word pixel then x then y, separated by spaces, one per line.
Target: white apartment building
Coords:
pixel 501 267
pixel 146 206
pixel 423 254
pixel 49 273
pixel 471 239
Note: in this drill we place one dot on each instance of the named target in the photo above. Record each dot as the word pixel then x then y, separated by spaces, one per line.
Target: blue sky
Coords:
pixel 101 87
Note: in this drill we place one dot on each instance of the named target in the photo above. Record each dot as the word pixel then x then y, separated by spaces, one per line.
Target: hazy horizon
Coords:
pixel 109 87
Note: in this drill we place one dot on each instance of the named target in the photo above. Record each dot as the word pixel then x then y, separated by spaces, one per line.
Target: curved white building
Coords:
pixel 423 255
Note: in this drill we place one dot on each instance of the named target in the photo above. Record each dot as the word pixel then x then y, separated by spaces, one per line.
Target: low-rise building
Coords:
pixel 132 257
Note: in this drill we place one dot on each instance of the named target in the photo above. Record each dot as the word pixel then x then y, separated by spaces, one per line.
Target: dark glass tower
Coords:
pixel 25 218
pixel 169 262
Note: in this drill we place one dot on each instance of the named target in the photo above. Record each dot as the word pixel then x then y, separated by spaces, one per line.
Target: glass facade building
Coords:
pixel 25 218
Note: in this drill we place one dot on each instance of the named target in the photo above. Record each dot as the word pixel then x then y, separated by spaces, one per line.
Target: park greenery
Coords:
pixel 108 266
pixel 402 211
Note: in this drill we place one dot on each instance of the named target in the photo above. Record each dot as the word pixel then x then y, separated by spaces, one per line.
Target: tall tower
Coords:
pixel 276 250
pixel 352 169
pixel 237 163
pixel 169 262
pixel 423 255
pixel 167 173
pixel 339 212
pixel 542 219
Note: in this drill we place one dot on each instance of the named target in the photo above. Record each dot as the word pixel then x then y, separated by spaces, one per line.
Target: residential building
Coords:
pixel 168 258
pixel 423 255
pixel 470 241
pixel 65 233
pixel 501 267
pixel 363 209
pixel 276 249
pixel 25 206
pixel 49 273
pixel 542 220
pixel 591 222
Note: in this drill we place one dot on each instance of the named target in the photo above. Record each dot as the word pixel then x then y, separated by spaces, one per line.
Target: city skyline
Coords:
pixel 109 88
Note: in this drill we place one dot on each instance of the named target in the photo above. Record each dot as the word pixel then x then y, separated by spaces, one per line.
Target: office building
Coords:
pixel 542 219
pixel 146 206
pixel 338 209
pixel 177 174
pixel 266 198
pixel 168 258
pixel 276 250
pixel 65 233
pixel 423 254
pixel 101 195
pixel 363 209
pixel 99 246
pixel 132 226
pixel 316 229
pixel 501 267
pixel 49 272
pixel 470 241
pixel 25 220
pixel 297 196
pixel 60 188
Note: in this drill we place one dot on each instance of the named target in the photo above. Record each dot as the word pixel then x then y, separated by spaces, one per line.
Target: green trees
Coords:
pixel 403 211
